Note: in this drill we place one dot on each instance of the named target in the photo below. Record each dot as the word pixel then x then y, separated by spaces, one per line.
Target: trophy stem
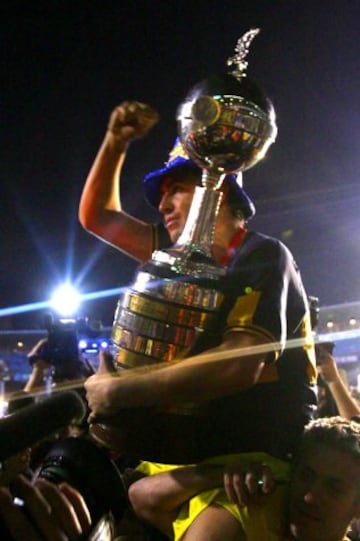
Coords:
pixel 199 229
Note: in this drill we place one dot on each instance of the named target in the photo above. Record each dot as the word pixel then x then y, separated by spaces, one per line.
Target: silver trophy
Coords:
pixel 225 124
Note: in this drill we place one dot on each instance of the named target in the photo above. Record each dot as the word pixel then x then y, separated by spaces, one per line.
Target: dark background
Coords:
pixel 65 65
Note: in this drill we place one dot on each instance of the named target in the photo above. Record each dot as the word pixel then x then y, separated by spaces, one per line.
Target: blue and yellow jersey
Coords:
pixel 264 295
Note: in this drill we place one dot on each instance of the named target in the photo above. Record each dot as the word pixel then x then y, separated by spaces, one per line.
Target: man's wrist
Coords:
pixel 116 143
pixel 334 381
pixel 117 140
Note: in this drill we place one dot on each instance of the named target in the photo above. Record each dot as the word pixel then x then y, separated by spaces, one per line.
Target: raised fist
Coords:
pixel 132 119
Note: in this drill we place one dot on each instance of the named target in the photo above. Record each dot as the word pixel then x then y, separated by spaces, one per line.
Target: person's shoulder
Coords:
pixel 268 249
pixel 255 240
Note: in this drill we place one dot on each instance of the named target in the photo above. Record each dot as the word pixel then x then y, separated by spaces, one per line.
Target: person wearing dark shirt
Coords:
pixel 254 389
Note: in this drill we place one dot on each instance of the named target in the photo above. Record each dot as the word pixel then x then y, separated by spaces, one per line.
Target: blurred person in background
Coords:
pixel 341 396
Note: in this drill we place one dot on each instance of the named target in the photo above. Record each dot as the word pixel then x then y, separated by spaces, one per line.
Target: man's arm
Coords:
pixel 100 210
pixel 156 499
pixel 233 366
pixel 38 359
pixel 346 404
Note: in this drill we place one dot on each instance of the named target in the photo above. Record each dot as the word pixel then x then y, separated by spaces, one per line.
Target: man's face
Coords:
pixel 176 194
pixel 325 495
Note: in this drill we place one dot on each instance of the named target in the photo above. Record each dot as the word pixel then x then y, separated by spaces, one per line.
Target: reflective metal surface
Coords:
pixel 235 139
pixel 159 319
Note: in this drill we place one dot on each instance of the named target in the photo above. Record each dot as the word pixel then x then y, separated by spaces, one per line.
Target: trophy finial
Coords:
pixel 241 50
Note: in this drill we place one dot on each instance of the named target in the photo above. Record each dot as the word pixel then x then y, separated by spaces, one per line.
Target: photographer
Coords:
pixel 39 384
pixel 69 480
pixel 31 506
pixel 41 380
pixel 59 352
pixel 53 512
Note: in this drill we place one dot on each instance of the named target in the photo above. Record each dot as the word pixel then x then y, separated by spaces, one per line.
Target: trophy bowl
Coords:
pixel 226 125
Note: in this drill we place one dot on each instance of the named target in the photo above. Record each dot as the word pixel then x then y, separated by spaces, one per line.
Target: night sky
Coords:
pixel 65 65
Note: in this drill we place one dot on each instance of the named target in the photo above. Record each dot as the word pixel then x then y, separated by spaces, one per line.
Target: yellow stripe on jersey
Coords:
pixel 243 311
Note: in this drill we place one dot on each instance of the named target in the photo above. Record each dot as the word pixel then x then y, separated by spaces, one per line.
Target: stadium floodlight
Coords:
pixel 65 300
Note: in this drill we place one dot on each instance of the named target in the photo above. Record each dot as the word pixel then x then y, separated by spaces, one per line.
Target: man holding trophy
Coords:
pixel 214 353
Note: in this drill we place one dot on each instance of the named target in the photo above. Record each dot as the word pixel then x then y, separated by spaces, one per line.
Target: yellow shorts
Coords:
pixel 264 521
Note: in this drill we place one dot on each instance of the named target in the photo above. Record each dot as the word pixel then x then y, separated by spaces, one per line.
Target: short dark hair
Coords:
pixel 333 432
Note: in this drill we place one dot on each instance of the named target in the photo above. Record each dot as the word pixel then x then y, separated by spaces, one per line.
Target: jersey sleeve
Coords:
pixel 264 292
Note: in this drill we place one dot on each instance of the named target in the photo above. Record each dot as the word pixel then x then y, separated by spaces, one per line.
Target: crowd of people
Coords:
pixel 269 470
pixel 323 494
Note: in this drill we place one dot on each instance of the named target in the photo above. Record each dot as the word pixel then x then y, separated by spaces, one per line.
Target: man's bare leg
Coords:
pixel 157 499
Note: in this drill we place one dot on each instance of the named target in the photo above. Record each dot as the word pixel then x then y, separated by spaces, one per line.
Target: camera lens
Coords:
pixel 86 467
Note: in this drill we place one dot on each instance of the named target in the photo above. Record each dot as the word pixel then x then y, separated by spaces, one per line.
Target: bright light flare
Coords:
pixel 65 300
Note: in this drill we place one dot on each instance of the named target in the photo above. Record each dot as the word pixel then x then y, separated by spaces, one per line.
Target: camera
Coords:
pixel 85 466
pixel 62 350
pixel 77 460
pixel 327 346
pixel 62 340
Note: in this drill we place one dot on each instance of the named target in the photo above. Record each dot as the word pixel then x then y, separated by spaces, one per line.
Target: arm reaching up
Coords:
pixel 100 210
pixel 346 404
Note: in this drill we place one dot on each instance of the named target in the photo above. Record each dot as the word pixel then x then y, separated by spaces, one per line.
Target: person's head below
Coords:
pixel 170 190
pixel 325 489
